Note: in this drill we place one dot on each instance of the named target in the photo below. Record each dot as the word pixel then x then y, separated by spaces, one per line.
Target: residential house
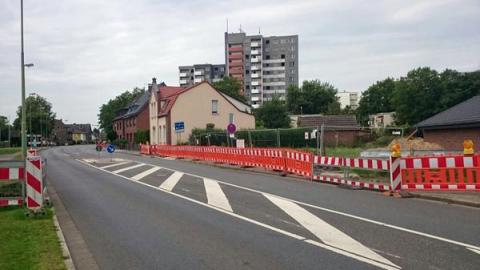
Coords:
pixel 132 118
pixel 79 133
pixel 175 111
pixel 381 120
pixel 452 126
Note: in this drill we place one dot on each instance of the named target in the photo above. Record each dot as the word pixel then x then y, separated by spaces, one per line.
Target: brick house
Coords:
pixel 452 126
pixel 132 119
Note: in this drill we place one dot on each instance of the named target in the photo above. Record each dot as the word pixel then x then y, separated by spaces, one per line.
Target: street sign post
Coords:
pixel 111 150
pixel 179 127
pixel 231 128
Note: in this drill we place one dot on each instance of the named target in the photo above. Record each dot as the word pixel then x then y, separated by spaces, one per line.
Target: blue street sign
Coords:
pixel 111 148
pixel 179 126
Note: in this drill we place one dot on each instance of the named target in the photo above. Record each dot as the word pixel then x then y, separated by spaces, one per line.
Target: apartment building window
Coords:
pixel 214 106
pixel 247 71
pixel 267 87
pixel 247 56
pixel 267 57
pixel 290 79
pixel 283 64
pixel 282 56
pixel 292 64
pixel 267 41
pixel 191 70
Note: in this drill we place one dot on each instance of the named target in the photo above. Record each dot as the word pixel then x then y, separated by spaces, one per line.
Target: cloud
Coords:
pixel 87 51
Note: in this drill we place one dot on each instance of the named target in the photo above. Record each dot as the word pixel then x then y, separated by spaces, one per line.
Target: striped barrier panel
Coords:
pixel 145 149
pixel 34 196
pixel 441 173
pixel 348 163
pixel 298 162
pixel 12 172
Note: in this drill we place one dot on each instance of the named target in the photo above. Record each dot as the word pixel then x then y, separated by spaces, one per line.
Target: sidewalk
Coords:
pixel 463 198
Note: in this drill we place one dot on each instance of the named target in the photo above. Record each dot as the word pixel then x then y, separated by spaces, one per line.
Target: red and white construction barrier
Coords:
pixel 328 161
pixel 441 173
pixel 366 185
pixel 34 182
pixel 7 174
pixel 373 164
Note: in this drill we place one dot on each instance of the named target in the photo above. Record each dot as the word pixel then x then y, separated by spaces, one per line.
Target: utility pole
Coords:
pixel 24 119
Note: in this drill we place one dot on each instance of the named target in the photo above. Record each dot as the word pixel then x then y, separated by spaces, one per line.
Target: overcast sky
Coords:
pixel 87 51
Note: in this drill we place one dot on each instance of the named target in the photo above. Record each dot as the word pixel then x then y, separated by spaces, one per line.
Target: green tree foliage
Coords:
pixel 273 114
pixel 416 96
pixel 4 126
pixel 312 98
pixel 376 99
pixel 39 116
pixel 230 86
pixel 109 110
pixel 142 136
pixel 419 95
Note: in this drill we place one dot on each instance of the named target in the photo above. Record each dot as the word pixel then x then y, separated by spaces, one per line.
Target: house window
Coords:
pixel 214 106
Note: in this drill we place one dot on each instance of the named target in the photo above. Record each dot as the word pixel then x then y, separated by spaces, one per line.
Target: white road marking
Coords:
pixel 145 173
pixel 129 168
pixel 171 181
pixel 115 164
pixel 326 232
pixel 292 235
pixel 379 223
pixel 215 195
pixel 475 250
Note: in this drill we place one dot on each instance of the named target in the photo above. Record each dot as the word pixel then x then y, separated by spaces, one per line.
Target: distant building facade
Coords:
pixel 64 134
pixel 266 66
pixel 190 75
pixel 349 99
pixel 381 120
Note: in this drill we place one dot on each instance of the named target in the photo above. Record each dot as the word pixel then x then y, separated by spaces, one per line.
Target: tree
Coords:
pixel 142 136
pixel 39 116
pixel 4 128
pixel 273 114
pixel 230 86
pixel 314 97
pixel 376 99
pixel 416 96
pixel 109 110
pixel 458 87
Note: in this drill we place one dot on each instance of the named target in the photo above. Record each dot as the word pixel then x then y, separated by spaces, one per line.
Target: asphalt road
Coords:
pixel 138 212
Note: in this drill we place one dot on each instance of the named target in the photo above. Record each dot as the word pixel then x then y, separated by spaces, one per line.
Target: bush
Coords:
pixel 142 136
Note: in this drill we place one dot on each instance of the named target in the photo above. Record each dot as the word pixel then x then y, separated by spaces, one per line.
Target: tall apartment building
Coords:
pixel 189 75
pixel 350 99
pixel 266 66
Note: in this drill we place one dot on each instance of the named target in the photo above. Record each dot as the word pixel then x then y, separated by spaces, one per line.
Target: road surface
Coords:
pixel 137 212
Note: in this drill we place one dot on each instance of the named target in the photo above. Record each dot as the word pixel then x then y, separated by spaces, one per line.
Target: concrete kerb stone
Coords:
pixel 63 244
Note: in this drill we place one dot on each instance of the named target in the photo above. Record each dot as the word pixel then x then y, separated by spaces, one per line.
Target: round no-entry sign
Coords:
pixel 231 128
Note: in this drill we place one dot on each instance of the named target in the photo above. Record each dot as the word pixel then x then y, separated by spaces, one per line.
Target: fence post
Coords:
pixel 250 138
pixel 322 148
pixel 278 137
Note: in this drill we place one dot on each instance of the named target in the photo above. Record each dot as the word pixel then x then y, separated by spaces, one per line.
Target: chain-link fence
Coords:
pixel 319 140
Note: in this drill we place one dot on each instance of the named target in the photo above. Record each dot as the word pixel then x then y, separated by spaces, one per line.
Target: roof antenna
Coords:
pixel 259 30
pixel 240 28
pixel 227 25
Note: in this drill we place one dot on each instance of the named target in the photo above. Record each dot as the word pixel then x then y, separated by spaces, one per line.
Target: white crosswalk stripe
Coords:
pixel 171 181
pixel 215 195
pixel 115 164
pixel 326 232
pixel 145 173
pixel 129 168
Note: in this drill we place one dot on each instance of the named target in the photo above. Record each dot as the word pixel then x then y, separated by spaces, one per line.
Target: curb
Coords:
pixel 446 200
pixel 63 244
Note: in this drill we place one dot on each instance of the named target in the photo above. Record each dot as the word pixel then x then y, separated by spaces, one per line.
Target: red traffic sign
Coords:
pixel 231 128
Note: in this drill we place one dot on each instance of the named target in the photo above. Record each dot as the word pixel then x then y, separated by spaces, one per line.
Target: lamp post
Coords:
pixel 24 119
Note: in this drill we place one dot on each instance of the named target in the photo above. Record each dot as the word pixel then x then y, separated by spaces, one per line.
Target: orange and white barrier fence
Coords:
pixel 34 196
pixel 12 172
pixel 441 173
pixel 399 173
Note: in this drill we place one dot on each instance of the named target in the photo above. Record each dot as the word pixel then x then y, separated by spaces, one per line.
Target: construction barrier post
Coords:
pixel 34 182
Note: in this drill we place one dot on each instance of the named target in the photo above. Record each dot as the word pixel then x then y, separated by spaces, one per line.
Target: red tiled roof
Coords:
pixel 166 91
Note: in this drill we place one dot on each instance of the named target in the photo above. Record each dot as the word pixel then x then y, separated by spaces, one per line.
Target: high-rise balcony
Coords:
pixel 255 52
pixel 255 75
pixel 198 72
pixel 183 74
pixel 255 44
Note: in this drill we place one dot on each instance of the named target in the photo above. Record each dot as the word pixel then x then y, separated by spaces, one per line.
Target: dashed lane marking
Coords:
pixel 129 168
pixel 113 165
pixel 171 181
pixel 145 173
pixel 215 195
